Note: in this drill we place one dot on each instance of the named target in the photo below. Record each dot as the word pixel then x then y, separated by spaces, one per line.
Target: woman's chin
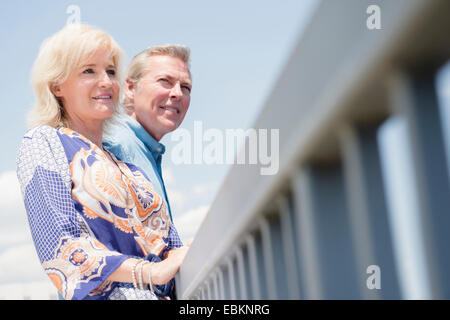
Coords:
pixel 105 112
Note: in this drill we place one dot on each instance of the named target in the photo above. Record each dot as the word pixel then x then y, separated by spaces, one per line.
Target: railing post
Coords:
pixel 414 97
pixel 231 278
pixel 216 285
pixel 289 253
pixel 268 259
pixel 368 210
pixel 241 274
pixel 253 267
pixel 306 230
pixel 221 284
pixel 328 210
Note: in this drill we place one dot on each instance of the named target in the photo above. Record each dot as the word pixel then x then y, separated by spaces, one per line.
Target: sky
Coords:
pixel 237 51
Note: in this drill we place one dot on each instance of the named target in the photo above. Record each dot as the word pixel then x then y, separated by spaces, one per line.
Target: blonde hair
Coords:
pixel 139 64
pixel 58 57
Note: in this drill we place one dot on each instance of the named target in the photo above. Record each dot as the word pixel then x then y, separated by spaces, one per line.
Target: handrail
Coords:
pixel 341 77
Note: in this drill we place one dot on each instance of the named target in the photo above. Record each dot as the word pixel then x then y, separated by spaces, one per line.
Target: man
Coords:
pixel 156 96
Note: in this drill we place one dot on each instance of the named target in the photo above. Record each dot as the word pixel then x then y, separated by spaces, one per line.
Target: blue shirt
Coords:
pixel 132 143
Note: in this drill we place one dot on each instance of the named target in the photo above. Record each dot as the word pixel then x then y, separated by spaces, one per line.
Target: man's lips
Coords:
pixel 171 109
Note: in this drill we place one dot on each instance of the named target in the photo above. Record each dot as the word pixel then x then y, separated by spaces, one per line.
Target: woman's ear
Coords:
pixel 55 89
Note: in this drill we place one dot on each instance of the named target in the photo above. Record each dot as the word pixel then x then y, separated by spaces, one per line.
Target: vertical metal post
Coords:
pixel 414 97
pixel 253 266
pixel 268 259
pixel 231 279
pixel 208 289
pixel 221 284
pixel 241 274
pixel 203 294
pixel 334 246
pixel 289 253
pixel 216 285
pixel 368 211
pixel 306 230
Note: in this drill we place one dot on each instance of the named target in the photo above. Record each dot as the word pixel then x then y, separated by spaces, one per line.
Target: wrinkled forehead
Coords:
pixel 159 65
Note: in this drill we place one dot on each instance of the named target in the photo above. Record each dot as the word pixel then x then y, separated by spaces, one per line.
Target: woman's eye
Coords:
pixel 88 71
pixel 111 72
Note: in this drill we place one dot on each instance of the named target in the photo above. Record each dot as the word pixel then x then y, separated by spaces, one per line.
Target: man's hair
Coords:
pixel 58 57
pixel 139 64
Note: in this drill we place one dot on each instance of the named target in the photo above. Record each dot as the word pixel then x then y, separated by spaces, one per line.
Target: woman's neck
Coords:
pixel 92 131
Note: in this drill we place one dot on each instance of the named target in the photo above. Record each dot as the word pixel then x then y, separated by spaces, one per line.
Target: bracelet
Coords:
pixel 140 265
pixel 150 284
pixel 133 273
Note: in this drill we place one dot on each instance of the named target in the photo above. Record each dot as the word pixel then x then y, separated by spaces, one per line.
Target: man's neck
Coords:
pixel 155 136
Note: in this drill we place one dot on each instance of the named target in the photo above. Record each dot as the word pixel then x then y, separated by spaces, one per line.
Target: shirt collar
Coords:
pixel 157 149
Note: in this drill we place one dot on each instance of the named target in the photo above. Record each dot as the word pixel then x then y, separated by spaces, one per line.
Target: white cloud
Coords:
pixel 11 235
pixel 177 199
pixel 188 223
pixel 195 196
pixel 11 203
pixel 14 230
pixel 21 274
pixel 168 176
pixel 20 263
pixel 35 290
pixel 205 189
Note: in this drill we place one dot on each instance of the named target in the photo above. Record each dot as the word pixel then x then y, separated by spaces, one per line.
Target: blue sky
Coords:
pixel 237 51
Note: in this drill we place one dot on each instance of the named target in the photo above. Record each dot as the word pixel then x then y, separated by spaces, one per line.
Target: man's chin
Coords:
pixel 167 128
pixel 169 124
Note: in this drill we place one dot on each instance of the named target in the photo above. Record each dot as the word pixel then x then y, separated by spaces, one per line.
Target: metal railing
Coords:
pixel 312 230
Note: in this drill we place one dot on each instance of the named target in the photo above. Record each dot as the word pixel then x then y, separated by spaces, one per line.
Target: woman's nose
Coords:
pixel 105 80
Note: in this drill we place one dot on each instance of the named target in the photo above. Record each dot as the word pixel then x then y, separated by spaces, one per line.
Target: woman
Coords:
pixel 100 230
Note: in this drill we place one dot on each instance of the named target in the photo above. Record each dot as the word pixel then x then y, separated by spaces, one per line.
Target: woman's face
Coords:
pixel 90 93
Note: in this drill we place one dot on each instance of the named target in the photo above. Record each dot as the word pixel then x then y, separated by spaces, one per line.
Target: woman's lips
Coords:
pixel 105 98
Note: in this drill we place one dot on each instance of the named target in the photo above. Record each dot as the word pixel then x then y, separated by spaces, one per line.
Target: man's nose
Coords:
pixel 175 92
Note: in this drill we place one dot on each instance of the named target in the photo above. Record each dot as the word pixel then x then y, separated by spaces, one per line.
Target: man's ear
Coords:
pixel 128 90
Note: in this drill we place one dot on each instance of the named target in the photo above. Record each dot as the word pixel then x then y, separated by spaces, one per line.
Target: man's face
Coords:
pixel 161 97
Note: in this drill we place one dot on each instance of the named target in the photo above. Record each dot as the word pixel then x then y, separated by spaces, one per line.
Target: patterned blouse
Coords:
pixel 87 215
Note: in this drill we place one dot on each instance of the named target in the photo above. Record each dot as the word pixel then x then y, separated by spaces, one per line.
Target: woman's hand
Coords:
pixel 162 272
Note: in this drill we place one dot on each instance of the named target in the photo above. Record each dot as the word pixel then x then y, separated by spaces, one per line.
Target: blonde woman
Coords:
pixel 99 228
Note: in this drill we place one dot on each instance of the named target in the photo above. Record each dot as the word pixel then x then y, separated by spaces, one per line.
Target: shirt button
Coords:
pixel 158 149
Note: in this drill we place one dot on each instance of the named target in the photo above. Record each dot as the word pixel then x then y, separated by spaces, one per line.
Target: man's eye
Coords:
pixel 187 88
pixel 163 80
pixel 88 71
